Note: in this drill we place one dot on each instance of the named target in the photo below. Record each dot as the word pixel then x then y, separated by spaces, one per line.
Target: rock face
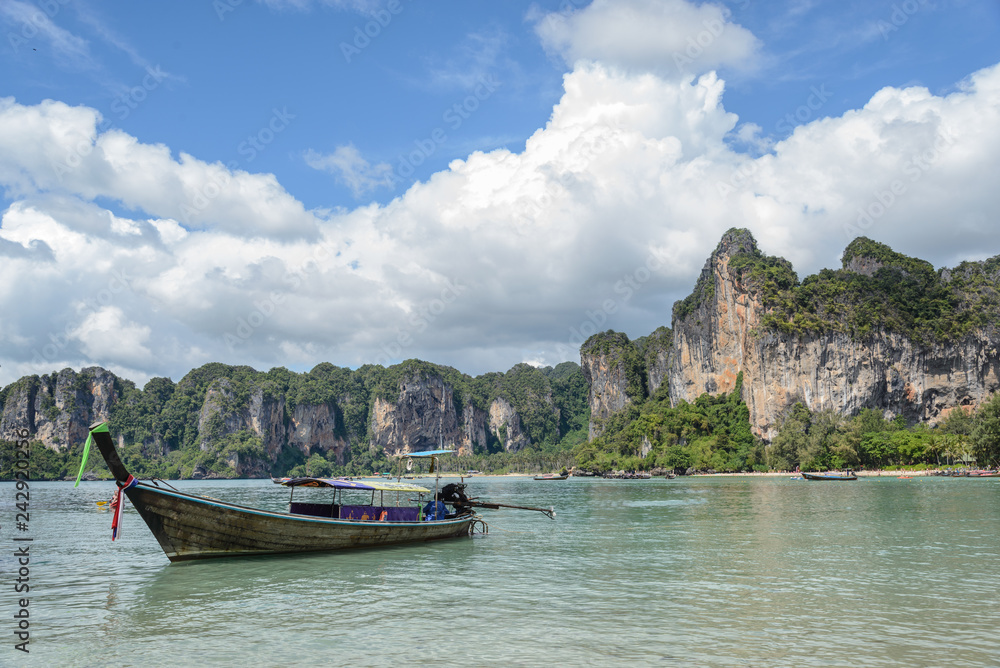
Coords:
pixel 19 408
pixel 263 416
pixel 473 427
pixel 505 424
pixel 656 352
pixel 423 418
pixel 314 429
pixel 611 364
pixel 723 336
pixel 59 408
pixel 888 373
pixel 721 331
pixel 716 340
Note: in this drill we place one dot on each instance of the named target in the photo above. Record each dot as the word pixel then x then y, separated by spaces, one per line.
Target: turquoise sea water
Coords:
pixel 686 572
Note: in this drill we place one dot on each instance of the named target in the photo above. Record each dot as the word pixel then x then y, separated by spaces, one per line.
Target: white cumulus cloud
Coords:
pixel 351 168
pixel 52 147
pixel 672 38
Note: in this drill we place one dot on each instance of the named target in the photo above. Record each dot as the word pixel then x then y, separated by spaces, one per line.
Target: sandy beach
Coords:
pixel 861 474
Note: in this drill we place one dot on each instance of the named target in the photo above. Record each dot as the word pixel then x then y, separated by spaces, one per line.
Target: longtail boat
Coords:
pixel 849 475
pixel 551 476
pixel 188 526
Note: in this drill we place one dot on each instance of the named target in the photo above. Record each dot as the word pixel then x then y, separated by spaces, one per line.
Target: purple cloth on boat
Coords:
pixel 360 512
pixel 374 513
pixel 402 514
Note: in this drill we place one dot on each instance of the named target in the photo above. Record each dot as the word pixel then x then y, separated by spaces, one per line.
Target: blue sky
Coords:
pixel 276 187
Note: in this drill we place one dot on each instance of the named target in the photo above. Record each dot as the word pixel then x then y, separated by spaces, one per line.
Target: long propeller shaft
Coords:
pixel 550 512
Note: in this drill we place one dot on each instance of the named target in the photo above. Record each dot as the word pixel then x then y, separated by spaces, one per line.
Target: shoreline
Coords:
pixel 879 473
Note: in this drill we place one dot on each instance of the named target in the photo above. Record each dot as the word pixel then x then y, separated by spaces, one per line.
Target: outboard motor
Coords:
pixel 454 493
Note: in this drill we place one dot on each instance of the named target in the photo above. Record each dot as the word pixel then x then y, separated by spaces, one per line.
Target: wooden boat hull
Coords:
pixel 550 477
pixel 188 526
pixel 192 527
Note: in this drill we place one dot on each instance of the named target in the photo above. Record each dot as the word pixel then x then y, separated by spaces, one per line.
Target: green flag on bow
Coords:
pixel 86 450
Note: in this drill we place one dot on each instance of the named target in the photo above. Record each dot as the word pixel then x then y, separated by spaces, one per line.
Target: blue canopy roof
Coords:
pixel 378 485
pixel 426 453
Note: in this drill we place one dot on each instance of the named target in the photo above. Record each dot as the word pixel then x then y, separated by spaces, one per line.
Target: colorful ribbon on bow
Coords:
pixel 118 503
pixel 86 450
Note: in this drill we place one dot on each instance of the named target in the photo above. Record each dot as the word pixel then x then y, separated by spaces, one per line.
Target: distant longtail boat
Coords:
pixel 830 476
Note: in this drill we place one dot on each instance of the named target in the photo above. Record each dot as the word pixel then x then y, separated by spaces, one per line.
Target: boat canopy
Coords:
pixel 378 485
pixel 426 453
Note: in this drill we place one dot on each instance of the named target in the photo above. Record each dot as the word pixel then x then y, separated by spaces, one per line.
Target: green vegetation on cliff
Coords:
pixel 740 245
pixel 713 433
pixel 876 289
pixel 619 352
pixel 173 430
pixel 569 394
pixel 529 392
pixel 661 340
pixel 704 292
pixel 45 463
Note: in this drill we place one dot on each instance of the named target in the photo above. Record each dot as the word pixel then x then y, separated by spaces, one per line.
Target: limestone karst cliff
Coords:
pixel 849 342
pixel 505 424
pixel 615 373
pixel 221 421
pixel 655 350
pixel 885 332
pixel 59 408
pixel 263 418
pixel 423 417
pixel 428 411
